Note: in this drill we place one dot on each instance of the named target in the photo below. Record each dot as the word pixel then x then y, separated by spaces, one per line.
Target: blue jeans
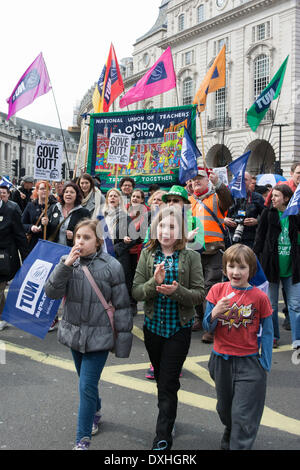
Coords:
pixel 89 367
pixel 293 304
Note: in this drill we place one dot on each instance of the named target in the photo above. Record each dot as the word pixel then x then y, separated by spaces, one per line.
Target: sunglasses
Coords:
pixel 173 200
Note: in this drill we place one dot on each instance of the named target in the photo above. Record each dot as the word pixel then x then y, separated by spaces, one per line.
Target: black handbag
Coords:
pixel 5 262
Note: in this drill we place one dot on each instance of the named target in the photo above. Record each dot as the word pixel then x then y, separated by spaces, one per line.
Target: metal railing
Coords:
pixel 219 122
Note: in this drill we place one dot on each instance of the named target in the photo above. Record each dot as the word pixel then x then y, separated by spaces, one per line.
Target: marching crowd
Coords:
pixel 189 254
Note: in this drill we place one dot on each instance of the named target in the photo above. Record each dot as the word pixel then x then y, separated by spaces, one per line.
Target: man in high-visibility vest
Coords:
pixel 210 202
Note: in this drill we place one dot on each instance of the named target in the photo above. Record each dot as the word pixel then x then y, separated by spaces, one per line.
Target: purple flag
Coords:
pixel 33 83
pixel 160 78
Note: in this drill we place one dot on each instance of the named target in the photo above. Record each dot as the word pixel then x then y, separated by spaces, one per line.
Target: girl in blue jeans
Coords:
pixel 277 243
pixel 85 326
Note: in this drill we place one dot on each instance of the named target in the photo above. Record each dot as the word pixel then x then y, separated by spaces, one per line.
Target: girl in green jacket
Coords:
pixel 169 280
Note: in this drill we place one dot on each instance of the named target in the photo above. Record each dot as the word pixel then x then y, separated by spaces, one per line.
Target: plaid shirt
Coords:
pixel 165 321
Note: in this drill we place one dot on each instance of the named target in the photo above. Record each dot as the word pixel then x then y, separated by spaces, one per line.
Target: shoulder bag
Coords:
pixel 110 309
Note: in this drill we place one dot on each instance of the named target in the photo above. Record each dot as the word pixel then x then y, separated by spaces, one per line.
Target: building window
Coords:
pixel 261 31
pixel 187 58
pixel 219 44
pixel 261 74
pixel 181 22
pixel 187 94
pixel 200 13
pixel 220 106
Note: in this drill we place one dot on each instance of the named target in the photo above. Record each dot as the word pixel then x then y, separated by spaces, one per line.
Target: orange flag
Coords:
pixel 214 79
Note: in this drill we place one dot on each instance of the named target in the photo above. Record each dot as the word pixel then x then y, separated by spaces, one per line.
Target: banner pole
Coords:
pixel 116 175
pixel 87 146
pixel 46 208
pixel 77 156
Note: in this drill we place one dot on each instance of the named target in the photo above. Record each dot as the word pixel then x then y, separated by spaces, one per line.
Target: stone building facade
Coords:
pixel 258 34
pixel 18 136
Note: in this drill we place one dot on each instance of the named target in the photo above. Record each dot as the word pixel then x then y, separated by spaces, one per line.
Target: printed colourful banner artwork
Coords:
pixel 155 147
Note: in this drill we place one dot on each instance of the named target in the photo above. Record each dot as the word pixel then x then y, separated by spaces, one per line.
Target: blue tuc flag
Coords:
pixel 188 167
pixel 27 307
pixel 293 207
pixel 238 167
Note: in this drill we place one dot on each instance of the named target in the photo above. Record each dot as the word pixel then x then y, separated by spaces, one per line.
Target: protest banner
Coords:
pixel 27 307
pixel 48 160
pixel 155 147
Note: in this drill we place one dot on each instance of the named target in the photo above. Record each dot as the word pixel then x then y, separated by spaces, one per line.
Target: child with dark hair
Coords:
pixel 241 317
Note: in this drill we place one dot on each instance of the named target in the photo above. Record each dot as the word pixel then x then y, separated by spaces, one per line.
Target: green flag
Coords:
pixel 259 108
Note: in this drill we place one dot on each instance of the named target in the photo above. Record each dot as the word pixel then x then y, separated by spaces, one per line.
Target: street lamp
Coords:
pixel 278 169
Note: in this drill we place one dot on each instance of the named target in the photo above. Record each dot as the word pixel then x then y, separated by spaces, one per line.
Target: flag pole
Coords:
pixel 224 119
pixel 177 95
pixel 202 141
pixel 262 168
pixel 62 134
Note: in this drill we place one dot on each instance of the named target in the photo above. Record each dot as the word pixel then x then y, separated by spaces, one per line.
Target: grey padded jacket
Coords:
pixel 85 326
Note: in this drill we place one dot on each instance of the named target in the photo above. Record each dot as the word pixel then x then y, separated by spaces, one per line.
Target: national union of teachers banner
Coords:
pixel 155 146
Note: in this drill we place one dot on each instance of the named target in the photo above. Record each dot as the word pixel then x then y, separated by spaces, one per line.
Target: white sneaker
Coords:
pixel 3 324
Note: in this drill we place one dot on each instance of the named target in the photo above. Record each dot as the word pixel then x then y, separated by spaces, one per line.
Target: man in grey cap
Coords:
pixel 22 195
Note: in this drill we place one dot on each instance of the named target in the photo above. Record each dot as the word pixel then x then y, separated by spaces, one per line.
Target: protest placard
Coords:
pixel 48 160
pixel 119 149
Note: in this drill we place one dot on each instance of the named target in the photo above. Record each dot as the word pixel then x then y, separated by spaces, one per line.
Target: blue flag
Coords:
pixel 4 181
pixel 108 246
pixel 188 161
pixel 27 307
pixel 238 167
pixel 293 207
pixel 259 279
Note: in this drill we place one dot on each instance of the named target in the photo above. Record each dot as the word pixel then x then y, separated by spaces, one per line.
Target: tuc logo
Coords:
pixel 32 286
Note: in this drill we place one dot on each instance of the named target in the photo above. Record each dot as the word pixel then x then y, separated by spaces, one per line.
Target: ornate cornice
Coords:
pixel 214 23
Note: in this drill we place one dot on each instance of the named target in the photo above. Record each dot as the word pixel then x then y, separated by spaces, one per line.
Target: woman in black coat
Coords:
pixel 34 211
pixel 64 215
pixel 277 244
pixel 12 242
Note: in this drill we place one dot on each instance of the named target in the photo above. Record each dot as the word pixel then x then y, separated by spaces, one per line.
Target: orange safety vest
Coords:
pixel 212 230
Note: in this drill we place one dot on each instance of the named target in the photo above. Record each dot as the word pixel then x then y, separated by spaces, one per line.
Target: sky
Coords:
pixel 74 37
